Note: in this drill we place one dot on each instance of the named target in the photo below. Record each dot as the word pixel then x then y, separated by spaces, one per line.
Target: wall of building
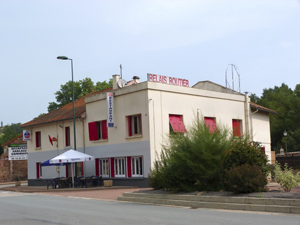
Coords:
pixel 261 130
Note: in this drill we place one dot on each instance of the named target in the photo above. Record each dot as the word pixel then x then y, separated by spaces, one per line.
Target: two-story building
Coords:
pixel 124 127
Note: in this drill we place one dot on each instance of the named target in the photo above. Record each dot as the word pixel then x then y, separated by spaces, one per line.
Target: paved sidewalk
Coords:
pixel 107 193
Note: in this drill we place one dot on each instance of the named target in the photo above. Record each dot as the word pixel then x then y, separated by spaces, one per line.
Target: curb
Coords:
pixel 275 205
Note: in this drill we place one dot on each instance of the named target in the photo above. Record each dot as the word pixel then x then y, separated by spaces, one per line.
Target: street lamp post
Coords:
pixel 285 134
pixel 66 58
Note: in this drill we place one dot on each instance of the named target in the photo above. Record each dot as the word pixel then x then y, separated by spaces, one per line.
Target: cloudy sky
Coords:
pixel 190 39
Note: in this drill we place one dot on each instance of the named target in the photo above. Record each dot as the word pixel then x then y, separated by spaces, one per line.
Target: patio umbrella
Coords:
pixel 47 163
pixel 71 156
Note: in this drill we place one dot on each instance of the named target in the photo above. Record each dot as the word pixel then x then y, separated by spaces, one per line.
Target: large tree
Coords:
pixel 81 88
pixel 9 132
pixel 286 102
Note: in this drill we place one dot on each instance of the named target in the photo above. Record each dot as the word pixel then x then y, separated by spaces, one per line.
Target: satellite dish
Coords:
pixel 122 83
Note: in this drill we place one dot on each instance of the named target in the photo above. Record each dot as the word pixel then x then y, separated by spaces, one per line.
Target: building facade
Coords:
pixel 143 114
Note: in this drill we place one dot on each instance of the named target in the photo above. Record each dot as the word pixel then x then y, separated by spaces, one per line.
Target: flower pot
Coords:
pixel 18 183
pixel 108 183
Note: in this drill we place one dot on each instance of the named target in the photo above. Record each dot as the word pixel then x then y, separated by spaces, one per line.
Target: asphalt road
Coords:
pixel 39 209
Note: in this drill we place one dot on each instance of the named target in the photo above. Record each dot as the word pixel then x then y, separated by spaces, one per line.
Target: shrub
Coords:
pixel 242 151
pixel 192 161
pixel 285 177
pixel 245 179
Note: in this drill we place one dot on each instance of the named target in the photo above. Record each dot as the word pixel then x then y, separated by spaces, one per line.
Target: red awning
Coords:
pixel 176 123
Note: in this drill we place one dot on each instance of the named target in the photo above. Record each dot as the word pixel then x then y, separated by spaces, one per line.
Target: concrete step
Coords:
pixel 216 202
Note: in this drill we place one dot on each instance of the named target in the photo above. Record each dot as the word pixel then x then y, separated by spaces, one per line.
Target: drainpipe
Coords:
pixel 247 115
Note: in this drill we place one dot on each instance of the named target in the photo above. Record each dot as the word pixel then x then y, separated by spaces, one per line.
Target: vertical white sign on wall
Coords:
pixel 110 109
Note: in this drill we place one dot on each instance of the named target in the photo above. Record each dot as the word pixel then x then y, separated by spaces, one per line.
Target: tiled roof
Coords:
pixel 259 107
pixel 63 113
pixel 16 141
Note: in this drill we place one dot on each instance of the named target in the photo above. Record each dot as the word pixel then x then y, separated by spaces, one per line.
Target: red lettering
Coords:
pixel 154 77
pixel 150 77
pixel 170 80
pixel 160 79
pixel 187 83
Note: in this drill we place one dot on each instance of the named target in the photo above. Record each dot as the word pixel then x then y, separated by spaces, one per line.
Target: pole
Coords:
pixel 73 105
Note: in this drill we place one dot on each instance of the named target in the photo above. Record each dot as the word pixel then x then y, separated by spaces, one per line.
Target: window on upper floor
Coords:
pixel 210 122
pixel 98 130
pixel 134 125
pixel 176 124
pixel 237 127
pixel 67 136
pixel 38 143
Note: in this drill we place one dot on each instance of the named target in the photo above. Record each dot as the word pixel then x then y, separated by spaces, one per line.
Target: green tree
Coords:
pixel 9 132
pixel 286 102
pixel 81 89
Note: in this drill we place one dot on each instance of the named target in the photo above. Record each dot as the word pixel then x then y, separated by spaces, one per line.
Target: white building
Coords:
pixel 143 114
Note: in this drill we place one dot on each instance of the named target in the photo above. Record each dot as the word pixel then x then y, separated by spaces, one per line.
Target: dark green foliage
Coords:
pixel 242 151
pixel 286 102
pixel 9 132
pixel 191 162
pixel 81 88
pixel 245 179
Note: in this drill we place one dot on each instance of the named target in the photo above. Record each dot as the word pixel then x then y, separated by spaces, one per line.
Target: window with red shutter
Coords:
pixel 176 124
pixel 38 139
pixel 98 130
pixel 210 122
pixel 237 127
pixel 67 135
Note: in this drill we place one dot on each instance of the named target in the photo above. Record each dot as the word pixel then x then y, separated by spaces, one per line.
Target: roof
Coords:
pixel 63 113
pixel 17 140
pixel 259 107
pixel 211 86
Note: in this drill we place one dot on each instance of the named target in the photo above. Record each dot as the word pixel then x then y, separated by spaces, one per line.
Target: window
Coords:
pixel 38 170
pixel 134 125
pixel 67 135
pixel 98 130
pixel 237 127
pixel 38 139
pixel 120 167
pixel 136 166
pixel 103 167
pixel 211 124
pixel 176 124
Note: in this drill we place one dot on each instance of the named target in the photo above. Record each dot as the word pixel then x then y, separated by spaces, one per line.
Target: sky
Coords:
pixel 188 39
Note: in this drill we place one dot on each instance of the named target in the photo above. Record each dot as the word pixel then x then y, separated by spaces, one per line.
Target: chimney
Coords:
pixel 116 78
pixel 136 79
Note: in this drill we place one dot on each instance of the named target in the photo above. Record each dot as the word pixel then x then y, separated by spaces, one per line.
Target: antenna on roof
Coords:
pixel 234 73
pixel 121 70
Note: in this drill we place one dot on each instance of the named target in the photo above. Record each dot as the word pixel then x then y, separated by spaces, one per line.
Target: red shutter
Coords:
pixel 104 130
pixel 141 124
pixel 37 138
pixel 67 171
pixel 112 168
pixel 37 170
pixel 129 166
pixel 211 124
pixel 97 166
pixel 67 134
pixel 129 126
pixel 176 123
pixel 236 127
pixel 93 131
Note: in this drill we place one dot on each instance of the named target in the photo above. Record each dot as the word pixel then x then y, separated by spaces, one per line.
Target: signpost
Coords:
pixel 18 153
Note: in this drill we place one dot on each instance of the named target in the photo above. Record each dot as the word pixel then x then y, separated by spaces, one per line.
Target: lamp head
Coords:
pixel 62 57
pixel 285 133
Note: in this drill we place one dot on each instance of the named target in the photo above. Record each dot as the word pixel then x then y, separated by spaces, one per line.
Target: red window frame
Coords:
pixel 134 125
pixel 210 122
pixel 176 123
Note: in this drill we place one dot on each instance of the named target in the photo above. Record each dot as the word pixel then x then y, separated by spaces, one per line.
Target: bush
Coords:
pixel 285 177
pixel 245 179
pixel 192 161
pixel 242 151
